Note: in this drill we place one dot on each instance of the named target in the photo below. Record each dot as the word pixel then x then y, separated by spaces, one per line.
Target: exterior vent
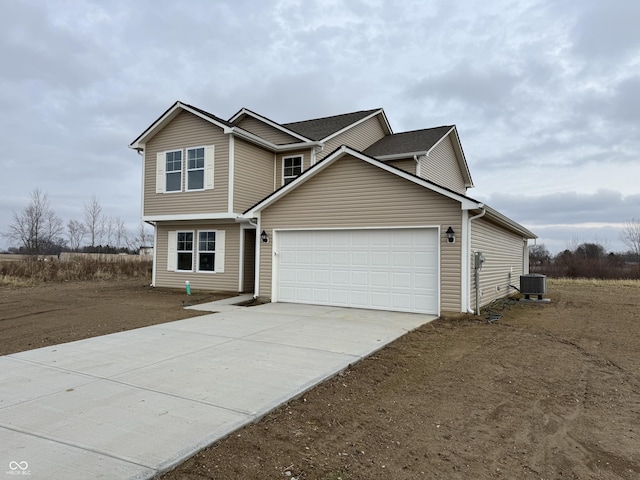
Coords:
pixel 533 284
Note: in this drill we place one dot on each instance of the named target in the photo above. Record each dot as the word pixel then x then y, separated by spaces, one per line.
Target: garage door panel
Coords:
pixel 380 259
pixel 321 295
pixel 401 259
pixel 390 269
pixel 321 277
pixel 380 279
pixel 304 275
pixel 401 279
pixel 340 277
pixel 340 258
pixel 339 297
pixel 359 278
pixel 359 299
pixel 359 259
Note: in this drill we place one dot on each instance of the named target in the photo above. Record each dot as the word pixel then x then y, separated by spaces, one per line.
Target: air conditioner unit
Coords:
pixel 533 284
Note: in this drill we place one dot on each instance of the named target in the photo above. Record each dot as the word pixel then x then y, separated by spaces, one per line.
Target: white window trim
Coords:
pixel 301 157
pixel 203 169
pixel 215 253
pixel 164 155
pixel 193 249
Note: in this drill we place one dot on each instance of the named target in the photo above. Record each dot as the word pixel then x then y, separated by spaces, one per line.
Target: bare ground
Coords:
pixel 546 392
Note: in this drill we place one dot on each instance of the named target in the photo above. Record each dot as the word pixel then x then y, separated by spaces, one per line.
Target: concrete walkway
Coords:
pixel 136 403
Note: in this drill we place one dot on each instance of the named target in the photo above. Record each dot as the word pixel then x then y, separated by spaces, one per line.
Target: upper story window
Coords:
pixel 291 168
pixel 196 162
pixel 173 169
pixel 195 168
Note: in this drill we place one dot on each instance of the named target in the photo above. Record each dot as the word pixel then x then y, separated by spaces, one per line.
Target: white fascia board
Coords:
pixel 191 216
pixel 272 146
pixel 398 156
pixel 166 118
pixel 348 127
pixel 271 123
pixel 466 202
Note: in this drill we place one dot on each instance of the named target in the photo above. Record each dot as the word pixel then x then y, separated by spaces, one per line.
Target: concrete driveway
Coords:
pixel 136 403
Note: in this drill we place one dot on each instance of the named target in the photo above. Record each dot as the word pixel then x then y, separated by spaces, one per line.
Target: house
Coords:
pixel 336 211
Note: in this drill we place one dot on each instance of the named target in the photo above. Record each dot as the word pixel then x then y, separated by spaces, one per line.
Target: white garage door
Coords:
pixel 385 269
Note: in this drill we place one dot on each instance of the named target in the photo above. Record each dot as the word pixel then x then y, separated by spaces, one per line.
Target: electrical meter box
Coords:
pixel 478 260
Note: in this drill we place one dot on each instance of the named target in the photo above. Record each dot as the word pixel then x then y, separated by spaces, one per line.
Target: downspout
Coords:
pixel 477 276
pixel 256 273
pixel 315 151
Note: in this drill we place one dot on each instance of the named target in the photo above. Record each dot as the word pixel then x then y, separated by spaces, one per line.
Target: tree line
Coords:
pixel 38 230
pixel 591 260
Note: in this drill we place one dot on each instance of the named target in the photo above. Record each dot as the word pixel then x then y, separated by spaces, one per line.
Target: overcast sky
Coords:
pixel 545 94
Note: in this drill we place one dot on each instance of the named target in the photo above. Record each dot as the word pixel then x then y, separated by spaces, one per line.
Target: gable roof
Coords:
pixel 172 112
pixel 243 112
pixel 467 203
pixel 408 142
pixel 321 128
pixel 420 142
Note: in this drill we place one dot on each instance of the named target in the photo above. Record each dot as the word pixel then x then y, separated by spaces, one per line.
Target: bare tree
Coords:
pixel 108 231
pixel 119 232
pixel 93 219
pixel 630 236
pixel 37 228
pixel 76 231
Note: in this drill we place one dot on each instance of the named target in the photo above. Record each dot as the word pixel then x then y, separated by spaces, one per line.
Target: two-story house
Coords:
pixel 335 211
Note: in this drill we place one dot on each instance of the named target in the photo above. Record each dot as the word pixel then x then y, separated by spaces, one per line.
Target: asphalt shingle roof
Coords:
pixel 210 115
pixel 319 128
pixel 407 142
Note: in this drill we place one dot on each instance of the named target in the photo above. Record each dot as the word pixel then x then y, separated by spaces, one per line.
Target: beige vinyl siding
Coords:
pixel 267 132
pixel 503 253
pixel 359 137
pixel 353 193
pixel 306 163
pixel 185 131
pixel 407 164
pixel 227 281
pixel 442 167
pixel 253 175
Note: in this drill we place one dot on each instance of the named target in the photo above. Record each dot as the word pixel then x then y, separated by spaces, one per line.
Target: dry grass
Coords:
pixel 28 272
pixel 594 282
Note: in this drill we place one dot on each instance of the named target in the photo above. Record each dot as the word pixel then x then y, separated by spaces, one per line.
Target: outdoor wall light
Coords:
pixel 264 237
pixel 451 237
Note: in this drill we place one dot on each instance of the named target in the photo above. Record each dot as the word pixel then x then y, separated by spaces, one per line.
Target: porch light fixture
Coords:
pixel 264 237
pixel 450 235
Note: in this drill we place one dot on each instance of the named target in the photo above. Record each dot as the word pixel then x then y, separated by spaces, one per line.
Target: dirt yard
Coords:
pixel 546 392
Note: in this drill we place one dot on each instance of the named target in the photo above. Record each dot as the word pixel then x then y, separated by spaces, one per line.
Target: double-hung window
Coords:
pixel 206 251
pixel 291 168
pixel 173 169
pixel 201 251
pixel 186 170
pixel 185 251
pixel 195 168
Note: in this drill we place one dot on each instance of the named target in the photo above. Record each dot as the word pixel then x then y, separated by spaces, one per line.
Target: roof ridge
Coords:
pixel 422 129
pixel 332 116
